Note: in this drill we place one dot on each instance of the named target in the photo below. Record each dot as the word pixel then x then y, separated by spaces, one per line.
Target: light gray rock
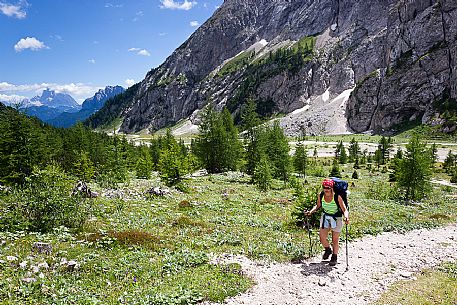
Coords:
pixel 399 55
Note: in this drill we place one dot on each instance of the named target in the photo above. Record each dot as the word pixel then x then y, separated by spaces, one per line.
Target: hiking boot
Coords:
pixel 327 253
pixel 333 260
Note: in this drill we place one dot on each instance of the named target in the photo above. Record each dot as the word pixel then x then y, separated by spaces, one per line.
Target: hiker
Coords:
pixel 331 219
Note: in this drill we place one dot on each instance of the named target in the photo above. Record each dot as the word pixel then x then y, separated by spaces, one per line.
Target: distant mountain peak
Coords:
pixel 55 100
pixel 101 96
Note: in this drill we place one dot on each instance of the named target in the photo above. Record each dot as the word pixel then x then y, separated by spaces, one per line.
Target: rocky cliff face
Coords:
pixel 330 66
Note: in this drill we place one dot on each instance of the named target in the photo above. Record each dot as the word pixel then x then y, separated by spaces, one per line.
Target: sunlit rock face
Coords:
pixel 346 65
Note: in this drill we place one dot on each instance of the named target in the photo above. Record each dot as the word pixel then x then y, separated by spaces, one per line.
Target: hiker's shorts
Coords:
pixel 329 222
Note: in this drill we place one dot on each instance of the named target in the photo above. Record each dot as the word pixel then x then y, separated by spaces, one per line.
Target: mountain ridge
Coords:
pixel 367 47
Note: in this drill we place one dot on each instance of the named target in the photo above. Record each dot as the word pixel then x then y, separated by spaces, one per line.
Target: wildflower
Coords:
pixel 11 258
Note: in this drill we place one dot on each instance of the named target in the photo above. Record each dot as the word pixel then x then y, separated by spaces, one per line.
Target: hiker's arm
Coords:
pixel 316 207
pixel 343 208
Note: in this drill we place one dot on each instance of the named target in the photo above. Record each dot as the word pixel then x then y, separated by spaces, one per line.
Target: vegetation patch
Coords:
pixel 437 286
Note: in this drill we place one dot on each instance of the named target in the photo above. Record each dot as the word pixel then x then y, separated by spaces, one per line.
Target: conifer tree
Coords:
pixel 414 171
pixel 434 153
pixel 301 159
pixel 277 149
pixel 218 146
pixel 263 174
pixel 340 153
pixel 450 162
pixel 395 165
pixel 335 172
pixel 144 164
pixel 253 136
pixel 83 167
pixel 354 151
pixel 233 148
pixel 21 146
pixel 173 164
pixel 385 147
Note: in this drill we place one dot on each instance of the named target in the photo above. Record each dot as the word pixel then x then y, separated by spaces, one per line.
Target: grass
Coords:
pixel 438 286
pixel 161 248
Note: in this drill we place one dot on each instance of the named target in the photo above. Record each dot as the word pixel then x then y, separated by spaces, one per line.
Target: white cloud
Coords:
pixel 16 11
pixel 12 99
pixel 92 61
pixel 163 34
pixel 114 5
pixel 194 24
pixel 29 43
pixel 142 52
pixel 137 16
pixel 79 91
pixel 129 82
pixel 171 4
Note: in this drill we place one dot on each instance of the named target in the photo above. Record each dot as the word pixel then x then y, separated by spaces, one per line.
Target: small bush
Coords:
pixel 45 202
pixel 305 199
pixel 355 175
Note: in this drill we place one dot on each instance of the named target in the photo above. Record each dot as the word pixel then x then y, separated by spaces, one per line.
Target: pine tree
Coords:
pixel 378 158
pixel 343 156
pixel 233 147
pixel 395 165
pixel 83 167
pixel 335 172
pixel 173 164
pixel 385 146
pixel 253 136
pixel 21 146
pixel 414 171
pixel 301 159
pixel 278 152
pixel 450 162
pixel 434 153
pixel 144 164
pixel 263 174
pixel 354 151
pixel 355 175
pixel 218 146
pixel 209 141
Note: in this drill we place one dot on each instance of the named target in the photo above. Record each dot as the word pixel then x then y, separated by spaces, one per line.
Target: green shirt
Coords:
pixel 329 207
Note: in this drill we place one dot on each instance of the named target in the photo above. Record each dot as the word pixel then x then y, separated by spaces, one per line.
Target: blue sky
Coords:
pixel 80 46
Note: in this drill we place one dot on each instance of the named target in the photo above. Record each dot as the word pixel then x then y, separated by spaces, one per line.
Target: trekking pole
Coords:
pixel 347 256
pixel 308 227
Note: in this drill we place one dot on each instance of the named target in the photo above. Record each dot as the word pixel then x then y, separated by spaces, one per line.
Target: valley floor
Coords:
pixel 375 262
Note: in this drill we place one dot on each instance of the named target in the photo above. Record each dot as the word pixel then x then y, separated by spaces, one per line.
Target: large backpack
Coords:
pixel 341 188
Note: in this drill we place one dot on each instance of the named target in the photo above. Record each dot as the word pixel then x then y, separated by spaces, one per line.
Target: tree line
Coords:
pixel 33 154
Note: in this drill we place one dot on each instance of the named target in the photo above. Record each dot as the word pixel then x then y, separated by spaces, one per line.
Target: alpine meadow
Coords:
pixel 196 184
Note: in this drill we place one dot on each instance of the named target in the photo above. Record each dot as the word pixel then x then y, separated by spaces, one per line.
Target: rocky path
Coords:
pixel 374 263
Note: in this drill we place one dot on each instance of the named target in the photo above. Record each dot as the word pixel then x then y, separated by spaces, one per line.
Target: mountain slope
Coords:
pixel 89 107
pixel 49 105
pixel 330 66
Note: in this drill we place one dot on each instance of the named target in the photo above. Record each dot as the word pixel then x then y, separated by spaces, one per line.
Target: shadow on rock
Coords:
pixel 321 268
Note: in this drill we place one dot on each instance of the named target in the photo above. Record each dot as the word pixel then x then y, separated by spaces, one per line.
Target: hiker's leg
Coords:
pixel 335 239
pixel 323 236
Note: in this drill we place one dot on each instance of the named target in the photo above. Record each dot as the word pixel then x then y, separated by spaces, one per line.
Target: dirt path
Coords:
pixel 374 263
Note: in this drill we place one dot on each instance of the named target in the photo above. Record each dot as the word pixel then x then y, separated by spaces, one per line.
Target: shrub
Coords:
pixel 45 202
pixel 355 175
pixel 305 199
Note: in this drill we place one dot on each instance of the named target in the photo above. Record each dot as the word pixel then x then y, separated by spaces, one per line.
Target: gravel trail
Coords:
pixel 375 262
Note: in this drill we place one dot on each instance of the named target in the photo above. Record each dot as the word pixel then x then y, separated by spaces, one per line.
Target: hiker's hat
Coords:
pixel 327 183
